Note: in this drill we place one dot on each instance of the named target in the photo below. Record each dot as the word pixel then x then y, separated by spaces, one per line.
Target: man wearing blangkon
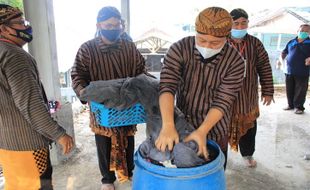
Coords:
pixel 26 128
pixel 205 73
pixel 108 57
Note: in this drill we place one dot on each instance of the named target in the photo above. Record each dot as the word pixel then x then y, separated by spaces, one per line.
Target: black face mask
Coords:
pixel 25 35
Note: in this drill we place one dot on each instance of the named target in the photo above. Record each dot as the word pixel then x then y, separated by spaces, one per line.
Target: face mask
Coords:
pixel 111 35
pixel 238 33
pixel 208 52
pixel 25 35
pixel 303 35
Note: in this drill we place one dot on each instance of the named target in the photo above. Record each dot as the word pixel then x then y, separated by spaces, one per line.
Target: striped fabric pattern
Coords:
pixel 201 85
pixel 25 123
pixel 98 61
pixel 258 69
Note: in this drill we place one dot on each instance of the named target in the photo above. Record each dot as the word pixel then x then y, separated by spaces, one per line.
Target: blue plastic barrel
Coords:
pixel 148 176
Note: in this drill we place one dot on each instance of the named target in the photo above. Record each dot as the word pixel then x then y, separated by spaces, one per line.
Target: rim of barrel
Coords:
pixel 183 173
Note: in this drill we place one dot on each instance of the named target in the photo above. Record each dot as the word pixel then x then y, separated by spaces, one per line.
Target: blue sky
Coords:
pixel 75 20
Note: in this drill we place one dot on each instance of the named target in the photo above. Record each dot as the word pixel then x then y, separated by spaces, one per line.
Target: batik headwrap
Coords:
pixel 108 12
pixel 8 13
pixel 214 21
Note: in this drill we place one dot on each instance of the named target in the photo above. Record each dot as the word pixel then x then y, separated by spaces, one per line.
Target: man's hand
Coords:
pixel 201 139
pixel 168 136
pixel 267 100
pixel 307 61
pixel 66 143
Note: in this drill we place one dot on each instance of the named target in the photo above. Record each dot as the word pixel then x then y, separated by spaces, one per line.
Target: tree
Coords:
pixel 13 3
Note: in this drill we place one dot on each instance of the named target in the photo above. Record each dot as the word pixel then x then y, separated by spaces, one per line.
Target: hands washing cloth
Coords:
pixel 123 93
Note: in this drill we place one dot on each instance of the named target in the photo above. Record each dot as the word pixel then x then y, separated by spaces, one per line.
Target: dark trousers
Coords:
pixel 46 177
pixel 247 141
pixel 104 151
pixel 296 90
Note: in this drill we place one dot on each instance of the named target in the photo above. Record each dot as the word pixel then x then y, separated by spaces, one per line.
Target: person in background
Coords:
pixel 297 55
pixel 108 57
pixel 124 35
pixel 258 71
pixel 26 127
pixel 204 74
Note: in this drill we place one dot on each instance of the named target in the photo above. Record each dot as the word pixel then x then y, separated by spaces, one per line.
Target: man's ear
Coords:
pixel 3 28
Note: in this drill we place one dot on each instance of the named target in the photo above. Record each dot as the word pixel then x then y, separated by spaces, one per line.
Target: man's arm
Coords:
pixel 285 51
pixel 28 98
pixel 80 70
pixel 265 74
pixel 169 80
pixel 168 135
pixel 283 55
pixel 139 61
pixel 214 115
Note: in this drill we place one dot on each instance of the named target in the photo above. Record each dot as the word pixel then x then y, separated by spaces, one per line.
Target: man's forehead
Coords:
pixel 112 20
pixel 305 27
pixel 210 38
pixel 241 19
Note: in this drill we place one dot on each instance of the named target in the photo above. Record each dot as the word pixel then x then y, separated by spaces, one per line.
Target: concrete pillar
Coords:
pixel 125 11
pixel 43 48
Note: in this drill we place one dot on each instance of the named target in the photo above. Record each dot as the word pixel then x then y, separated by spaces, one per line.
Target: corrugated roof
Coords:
pixel 260 19
pixel 154 32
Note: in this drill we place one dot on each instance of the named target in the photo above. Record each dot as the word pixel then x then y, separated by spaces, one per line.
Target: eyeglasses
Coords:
pixel 21 22
pixel 109 26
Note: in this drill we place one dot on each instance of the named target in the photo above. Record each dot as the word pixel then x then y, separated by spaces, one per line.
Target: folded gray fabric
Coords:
pixel 106 92
pixel 148 150
pixel 147 91
pixel 185 155
pixel 123 93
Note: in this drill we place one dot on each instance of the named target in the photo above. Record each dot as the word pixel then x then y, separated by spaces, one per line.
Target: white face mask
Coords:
pixel 208 52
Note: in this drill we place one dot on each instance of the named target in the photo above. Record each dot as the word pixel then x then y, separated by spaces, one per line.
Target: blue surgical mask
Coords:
pixel 238 33
pixel 303 35
pixel 111 35
pixel 208 52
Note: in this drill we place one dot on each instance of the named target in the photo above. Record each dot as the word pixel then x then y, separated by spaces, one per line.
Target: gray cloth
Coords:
pixel 111 93
pixel 185 155
pixel 123 93
pixel 148 150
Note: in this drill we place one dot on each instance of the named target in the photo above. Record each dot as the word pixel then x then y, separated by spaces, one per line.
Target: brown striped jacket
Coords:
pixel 97 61
pixel 257 68
pixel 200 86
pixel 246 107
pixel 25 123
